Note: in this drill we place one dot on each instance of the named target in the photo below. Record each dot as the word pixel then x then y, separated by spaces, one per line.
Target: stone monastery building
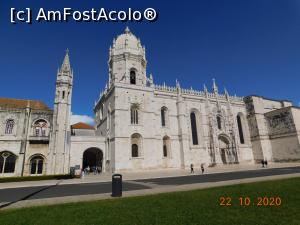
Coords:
pixel 140 125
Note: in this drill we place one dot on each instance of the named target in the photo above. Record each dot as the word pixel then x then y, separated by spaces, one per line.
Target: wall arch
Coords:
pixel 136 145
pixel 37 164
pixel 92 159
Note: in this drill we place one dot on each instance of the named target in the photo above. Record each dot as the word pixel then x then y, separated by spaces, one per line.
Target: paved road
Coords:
pixel 27 193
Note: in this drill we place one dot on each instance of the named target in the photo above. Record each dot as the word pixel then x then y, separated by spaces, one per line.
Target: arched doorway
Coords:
pixel 224 146
pixel 92 158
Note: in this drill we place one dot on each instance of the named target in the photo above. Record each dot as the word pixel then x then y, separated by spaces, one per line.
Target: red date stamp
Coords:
pixel 247 201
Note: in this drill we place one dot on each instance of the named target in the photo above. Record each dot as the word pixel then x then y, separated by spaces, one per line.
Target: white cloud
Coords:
pixel 81 118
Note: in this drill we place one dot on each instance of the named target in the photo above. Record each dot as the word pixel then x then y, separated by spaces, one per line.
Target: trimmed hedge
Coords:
pixel 36 178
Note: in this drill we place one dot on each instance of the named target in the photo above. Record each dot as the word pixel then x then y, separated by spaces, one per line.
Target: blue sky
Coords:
pixel 250 47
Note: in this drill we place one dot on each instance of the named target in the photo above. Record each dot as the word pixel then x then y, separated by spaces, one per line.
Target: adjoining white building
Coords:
pixel 140 125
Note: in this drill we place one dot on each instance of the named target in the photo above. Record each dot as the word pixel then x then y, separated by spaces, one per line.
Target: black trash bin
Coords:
pixel 116 185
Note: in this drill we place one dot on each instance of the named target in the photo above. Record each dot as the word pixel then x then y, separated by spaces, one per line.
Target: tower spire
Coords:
pixel 66 67
pixel 60 143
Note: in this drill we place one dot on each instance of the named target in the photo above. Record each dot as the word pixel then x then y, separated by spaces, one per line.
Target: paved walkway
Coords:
pixel 106 177
pixel 65 193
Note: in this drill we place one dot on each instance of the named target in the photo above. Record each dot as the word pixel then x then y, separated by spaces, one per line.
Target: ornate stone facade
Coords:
pixel 140 125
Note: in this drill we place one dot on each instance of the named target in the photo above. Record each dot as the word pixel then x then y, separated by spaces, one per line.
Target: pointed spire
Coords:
pixel 66 67
pixel 226 92
pixel 178 87
pixel 205 88
pixel 214 87
pixel 127 31
pixel 177 84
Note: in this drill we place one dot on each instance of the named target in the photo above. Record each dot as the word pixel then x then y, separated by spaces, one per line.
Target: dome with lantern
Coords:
pixel 127 42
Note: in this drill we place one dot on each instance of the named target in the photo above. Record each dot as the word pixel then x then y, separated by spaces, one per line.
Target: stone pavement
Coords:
pixel 153 190
pixel 106 177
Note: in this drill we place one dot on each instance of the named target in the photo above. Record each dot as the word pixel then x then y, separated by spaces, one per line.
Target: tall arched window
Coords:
pixel 36 165
pixel 166 146
pixel 219 122
pixel 240 127
pixel 132 77
pixel 9 126
pixel 7 162
pixel 134 114
pixel 40 128
pixel 163 115
pixel 194 128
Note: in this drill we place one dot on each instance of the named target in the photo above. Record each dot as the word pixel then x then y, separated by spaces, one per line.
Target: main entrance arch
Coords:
pixel 224 149
pixel 92 157
pixel 227 150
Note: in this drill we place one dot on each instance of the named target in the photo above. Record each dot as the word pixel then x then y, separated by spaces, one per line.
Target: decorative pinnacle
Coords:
pixel 205 88
pixel 177 83
pixel 215 87
pixel 225 91
pixel 127 31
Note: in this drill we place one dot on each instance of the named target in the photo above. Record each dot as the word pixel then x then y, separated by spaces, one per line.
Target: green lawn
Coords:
pixel 182 208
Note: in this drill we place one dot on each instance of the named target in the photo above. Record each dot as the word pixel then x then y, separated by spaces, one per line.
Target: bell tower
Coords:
pixel 127 60
pixel 59 151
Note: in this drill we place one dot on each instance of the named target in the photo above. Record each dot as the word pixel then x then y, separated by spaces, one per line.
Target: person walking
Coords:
pixel 82 174
pixel 263 163
pixel 266 163
pixel 192 168
pixel 202 168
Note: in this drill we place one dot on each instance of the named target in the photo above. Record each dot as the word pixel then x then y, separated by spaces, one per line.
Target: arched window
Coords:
pixel 219 122
pixel 7 162
pixel 240 128
pixel 40 128
pixel 134 150
pixel 9 126
pixel 166 146
pixel 163 115
pixel 134 115
pixel 132 77
pixel 36 165
pixel 194 128
pixel 165 151
pixel 136 145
